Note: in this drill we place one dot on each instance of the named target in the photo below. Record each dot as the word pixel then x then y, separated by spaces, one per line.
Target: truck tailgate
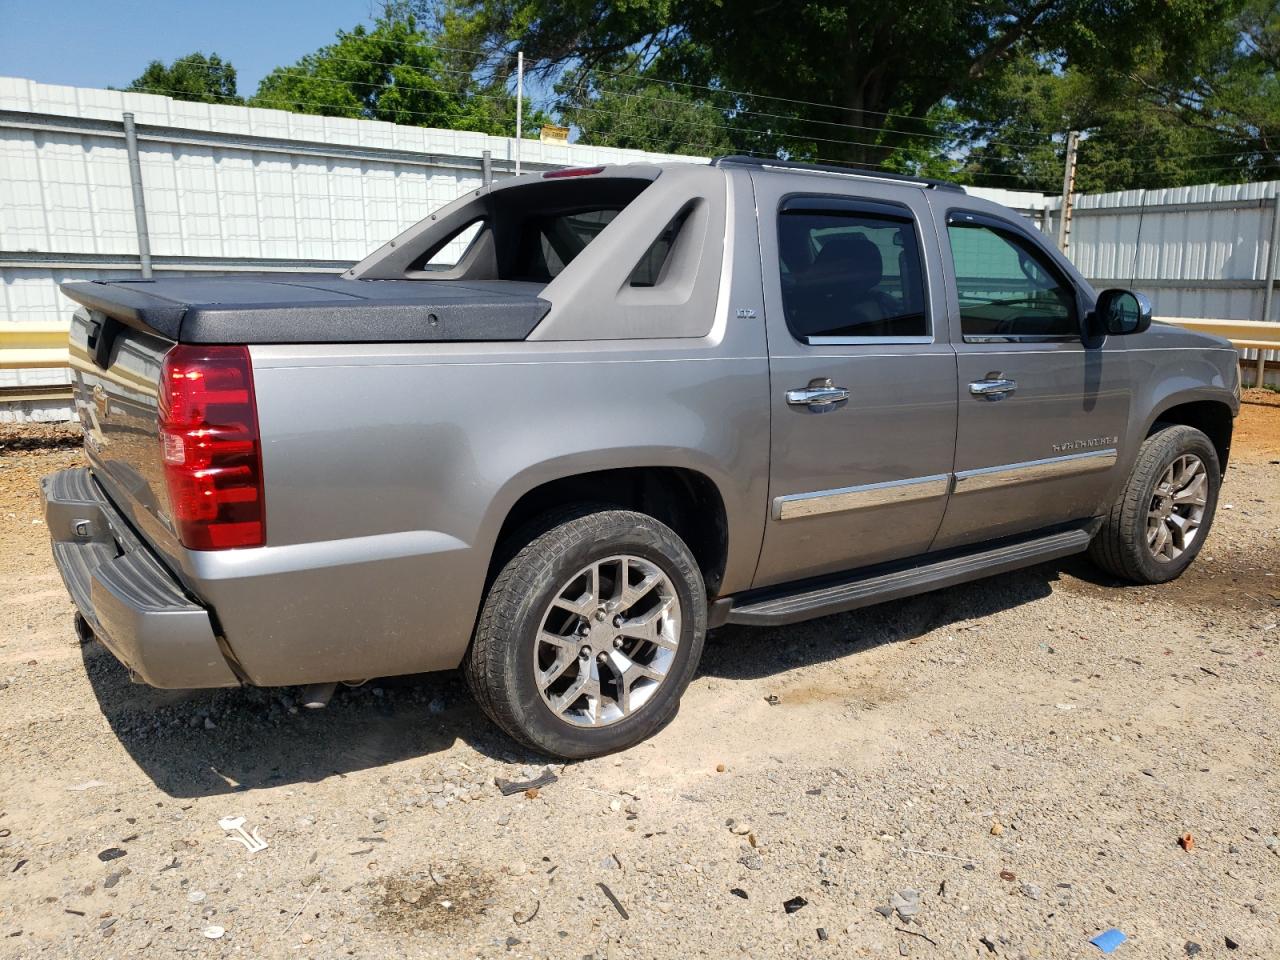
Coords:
pixel 116 393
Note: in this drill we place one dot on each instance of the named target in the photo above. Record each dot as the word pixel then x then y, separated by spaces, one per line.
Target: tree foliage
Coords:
pixel 984 91
pixel 395 71
pixel 193 77
pixel 1165 92
pixel 641 114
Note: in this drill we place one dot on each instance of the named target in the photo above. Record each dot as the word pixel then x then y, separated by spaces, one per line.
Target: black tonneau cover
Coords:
pixel 320 308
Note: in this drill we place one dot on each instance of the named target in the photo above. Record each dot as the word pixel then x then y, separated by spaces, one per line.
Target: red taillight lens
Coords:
pixel 211 448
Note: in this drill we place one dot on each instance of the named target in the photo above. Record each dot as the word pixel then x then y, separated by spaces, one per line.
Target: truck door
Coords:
pixel 1041 413
pixel 862 377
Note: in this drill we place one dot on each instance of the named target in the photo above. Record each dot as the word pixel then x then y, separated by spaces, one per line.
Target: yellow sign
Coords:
pixel 553 134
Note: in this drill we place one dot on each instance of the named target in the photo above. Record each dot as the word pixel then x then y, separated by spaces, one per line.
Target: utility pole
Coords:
pixel 519 105
pixel 1068 188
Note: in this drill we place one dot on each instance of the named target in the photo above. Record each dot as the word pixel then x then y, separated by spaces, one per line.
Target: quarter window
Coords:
pixel 1006 286
pixel 850 275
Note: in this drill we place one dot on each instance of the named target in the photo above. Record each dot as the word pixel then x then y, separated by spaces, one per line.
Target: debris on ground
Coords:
pixel 87 785
pixel 794 904
pixel 214 932
pixel 1187 842
pixel 111 853
pixel 1108 940
pixel 822 933
pixel 773 699
pixel 250 839
pixel 617 904
pixel 739 892
pixel 524 916
pixel 906 903
pixel 511 787
pixel 916 933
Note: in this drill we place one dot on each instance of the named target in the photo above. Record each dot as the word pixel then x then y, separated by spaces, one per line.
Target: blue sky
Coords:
pixel 110 42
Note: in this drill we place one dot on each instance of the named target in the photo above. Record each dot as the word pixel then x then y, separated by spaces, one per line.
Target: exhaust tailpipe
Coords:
pixel 316 696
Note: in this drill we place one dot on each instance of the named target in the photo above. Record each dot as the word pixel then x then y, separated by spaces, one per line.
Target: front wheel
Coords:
pixel 1159 522
pixel 589 634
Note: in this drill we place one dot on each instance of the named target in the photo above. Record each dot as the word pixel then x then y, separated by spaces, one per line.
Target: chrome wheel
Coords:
pixel 607 641
pixel 1177 508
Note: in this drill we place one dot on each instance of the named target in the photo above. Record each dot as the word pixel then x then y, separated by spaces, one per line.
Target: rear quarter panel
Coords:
pixel 390 469
pixel 389 475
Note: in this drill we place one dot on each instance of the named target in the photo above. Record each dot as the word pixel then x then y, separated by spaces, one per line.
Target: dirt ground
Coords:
pixel 1009 763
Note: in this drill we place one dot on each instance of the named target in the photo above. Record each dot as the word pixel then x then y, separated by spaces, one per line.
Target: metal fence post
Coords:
pixel 1268 296
pixel 139 201
pixel 486 167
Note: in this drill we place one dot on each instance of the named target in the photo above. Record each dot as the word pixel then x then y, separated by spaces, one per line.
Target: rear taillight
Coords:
pixel 211 447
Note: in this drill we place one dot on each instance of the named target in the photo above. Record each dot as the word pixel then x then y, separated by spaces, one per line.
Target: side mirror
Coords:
pixel 1122 312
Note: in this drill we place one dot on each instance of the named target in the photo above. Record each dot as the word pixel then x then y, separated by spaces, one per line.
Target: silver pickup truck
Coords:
pixel 563 426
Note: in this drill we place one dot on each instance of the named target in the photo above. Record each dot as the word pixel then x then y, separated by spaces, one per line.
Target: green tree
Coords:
pixel 877 65
pixel 1168 121
pixel 396 71
pixel 641 114
pixel 193 77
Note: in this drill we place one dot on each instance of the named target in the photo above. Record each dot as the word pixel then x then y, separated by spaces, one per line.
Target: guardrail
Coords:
pixel 43 346
pixel 33 346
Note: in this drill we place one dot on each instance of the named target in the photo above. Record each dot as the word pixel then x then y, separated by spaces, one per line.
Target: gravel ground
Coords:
pixel 1001 769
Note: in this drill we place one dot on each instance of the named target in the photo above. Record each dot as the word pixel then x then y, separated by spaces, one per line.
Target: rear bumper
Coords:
pixel 133 604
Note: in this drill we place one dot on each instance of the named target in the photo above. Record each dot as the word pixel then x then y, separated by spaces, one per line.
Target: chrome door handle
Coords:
pixel 819 393
pixel 993 388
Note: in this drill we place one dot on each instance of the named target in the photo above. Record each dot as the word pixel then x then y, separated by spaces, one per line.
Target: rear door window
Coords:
pixel 848 274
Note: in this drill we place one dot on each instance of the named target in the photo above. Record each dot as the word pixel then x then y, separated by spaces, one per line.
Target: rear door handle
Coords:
pixel 994 387
pixel 819 393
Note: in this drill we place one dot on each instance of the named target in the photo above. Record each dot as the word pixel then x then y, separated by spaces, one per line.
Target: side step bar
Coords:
pixel 871 588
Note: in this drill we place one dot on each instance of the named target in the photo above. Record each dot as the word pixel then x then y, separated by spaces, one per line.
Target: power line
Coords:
pixel 768 134
pixel 556 103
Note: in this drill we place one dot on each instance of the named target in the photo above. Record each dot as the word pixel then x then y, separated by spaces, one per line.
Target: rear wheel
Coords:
pixel 1159 522
pixel 589 634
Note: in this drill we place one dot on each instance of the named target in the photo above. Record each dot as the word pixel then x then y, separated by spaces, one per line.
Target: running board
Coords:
pixel 871 588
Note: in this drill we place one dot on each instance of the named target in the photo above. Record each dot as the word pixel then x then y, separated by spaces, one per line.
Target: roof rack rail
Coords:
pixel 868 173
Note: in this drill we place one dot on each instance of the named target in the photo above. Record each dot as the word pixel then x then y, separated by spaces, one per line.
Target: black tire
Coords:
pixel 500 663
pixel 1120 547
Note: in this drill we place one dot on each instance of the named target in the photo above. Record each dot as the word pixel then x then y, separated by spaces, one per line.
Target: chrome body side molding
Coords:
pixel 1029 471
pixel 796 505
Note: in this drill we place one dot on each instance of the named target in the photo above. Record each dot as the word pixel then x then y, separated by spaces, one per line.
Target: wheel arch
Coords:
pixel 687 500
pixel 1212 417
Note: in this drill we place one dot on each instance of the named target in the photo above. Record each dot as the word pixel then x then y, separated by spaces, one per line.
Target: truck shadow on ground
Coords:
pixel 193 743
pixel 211 742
